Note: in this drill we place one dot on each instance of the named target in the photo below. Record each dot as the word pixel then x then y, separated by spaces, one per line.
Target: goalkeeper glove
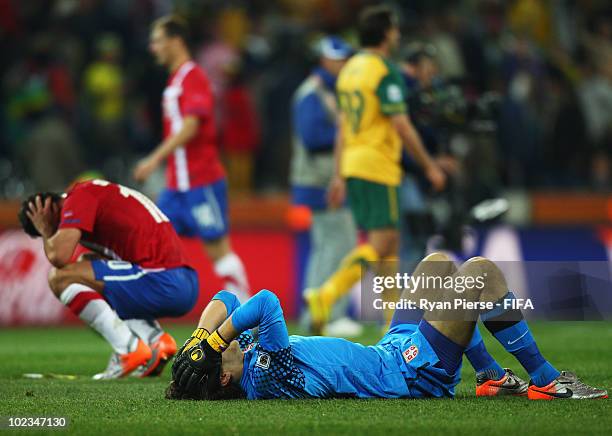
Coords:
pixel 198 335
pixel 200 365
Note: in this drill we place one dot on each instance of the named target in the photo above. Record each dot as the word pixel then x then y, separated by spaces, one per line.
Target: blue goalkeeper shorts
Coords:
pixel 200 212
pixel 134 292
pixel 417 359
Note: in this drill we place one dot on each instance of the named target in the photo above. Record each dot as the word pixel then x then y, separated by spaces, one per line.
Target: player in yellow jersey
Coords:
pixel 374 126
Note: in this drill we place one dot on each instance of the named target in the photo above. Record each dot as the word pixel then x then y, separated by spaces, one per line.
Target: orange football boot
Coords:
pixel 163 350
pixel 121 365
pixel 566 387
pixel 509 384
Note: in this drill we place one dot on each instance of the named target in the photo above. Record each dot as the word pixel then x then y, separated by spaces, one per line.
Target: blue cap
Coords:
pixel 335 48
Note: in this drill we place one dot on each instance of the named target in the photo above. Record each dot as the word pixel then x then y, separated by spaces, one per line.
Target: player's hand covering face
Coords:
pixel 198 367
pixel 44 216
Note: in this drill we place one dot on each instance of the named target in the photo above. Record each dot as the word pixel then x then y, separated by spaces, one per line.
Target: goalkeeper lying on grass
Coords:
pixel 411 361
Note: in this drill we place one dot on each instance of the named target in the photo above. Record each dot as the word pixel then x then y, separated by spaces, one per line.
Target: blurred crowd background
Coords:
pixel 81 92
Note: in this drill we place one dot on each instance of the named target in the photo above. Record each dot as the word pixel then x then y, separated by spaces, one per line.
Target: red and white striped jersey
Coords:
pixel 197 162
pixel 122 224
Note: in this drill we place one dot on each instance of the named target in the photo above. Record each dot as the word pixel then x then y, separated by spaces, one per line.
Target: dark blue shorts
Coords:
pixel 417 359
pixel 135 292
pixel 200 212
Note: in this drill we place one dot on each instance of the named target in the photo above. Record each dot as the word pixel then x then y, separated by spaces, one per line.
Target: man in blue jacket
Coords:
pixel 333 232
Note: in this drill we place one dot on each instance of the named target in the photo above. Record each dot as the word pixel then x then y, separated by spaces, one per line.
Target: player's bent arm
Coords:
pixel 189 129
pixel 263 310
pixel 414 145
pixel 218 310
pixel 222 305
pixel 60 247
pixel 411 139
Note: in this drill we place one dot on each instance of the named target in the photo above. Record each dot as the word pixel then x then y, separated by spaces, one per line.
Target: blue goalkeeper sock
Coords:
pixel 480 358
pixel 511 330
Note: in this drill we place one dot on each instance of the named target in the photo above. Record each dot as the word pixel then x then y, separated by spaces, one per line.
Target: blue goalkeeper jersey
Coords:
pixel 321 367
pixel 283 366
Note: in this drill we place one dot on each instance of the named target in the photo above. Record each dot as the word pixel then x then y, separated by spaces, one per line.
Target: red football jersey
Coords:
pixel 122 224
pixel 197 162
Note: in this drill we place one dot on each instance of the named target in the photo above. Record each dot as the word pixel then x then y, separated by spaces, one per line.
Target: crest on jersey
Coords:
pixel 410 353
pixel 394 93
pixel 263 360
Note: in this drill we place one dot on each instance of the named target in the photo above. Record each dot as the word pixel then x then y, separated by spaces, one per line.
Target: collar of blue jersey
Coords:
pixel 328 78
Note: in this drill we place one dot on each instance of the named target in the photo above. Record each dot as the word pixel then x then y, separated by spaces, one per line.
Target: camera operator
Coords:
pixel 460 133
pixel 420 74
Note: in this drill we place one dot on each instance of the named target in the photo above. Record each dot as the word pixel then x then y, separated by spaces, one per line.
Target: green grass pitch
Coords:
pixel 135 406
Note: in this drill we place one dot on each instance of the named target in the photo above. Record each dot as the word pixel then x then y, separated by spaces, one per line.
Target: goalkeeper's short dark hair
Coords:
pixel 374 23
pixel 26 223
pixel 230 392
pixel 174 26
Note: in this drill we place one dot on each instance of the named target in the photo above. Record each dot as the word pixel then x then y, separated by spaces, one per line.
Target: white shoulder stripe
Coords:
pixel 182 72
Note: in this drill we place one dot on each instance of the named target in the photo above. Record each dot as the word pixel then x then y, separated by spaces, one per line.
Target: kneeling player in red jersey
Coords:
pixel 138 273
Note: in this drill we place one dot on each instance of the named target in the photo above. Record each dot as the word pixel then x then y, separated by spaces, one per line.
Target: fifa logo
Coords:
pixel 263 360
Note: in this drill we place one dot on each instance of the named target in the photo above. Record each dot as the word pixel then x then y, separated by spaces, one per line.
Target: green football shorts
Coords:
pixel 374 206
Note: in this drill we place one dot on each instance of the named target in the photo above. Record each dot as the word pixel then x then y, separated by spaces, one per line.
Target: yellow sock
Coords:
pixel 349 272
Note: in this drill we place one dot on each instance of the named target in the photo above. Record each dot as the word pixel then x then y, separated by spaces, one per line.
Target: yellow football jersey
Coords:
pixel 369 90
